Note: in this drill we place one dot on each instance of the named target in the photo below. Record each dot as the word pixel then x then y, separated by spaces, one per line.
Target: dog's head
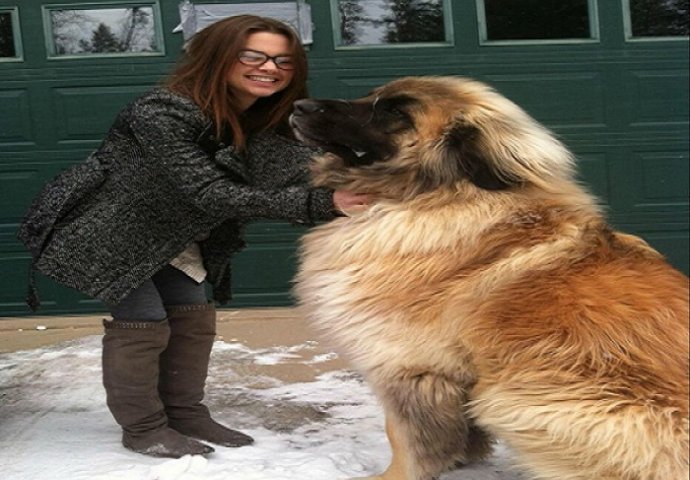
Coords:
pixel 429 132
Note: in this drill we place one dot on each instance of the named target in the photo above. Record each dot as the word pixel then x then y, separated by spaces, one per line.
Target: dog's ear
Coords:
pixel 463 147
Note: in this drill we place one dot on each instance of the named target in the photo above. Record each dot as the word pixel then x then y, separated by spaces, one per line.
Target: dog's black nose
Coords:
pixel 307 105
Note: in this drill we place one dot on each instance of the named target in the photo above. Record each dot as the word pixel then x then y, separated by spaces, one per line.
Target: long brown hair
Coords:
pixel 203 70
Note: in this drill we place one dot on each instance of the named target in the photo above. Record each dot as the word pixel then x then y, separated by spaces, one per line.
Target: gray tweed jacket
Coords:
pixel 158 180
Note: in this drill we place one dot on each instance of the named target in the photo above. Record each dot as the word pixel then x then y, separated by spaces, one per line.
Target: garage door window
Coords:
pixel 390 23
pixel 104 29
pixel 10 46
pixel 537 21
pixel 654 19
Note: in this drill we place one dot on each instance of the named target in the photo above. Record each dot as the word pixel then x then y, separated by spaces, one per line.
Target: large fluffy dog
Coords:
pixel 484 296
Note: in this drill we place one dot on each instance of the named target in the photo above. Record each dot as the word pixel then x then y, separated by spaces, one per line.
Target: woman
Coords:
pixel 159 208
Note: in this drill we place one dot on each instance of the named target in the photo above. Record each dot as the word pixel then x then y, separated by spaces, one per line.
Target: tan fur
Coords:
pixel 513 313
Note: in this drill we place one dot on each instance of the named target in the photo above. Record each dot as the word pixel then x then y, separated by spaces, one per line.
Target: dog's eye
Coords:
pixel 395 120
pixel 396 115
pixel 397 112
pixel 396 108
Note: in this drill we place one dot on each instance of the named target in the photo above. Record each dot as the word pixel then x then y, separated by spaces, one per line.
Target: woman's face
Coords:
pixel 248 83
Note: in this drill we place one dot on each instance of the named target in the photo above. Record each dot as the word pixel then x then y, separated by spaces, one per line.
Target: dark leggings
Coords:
pixel 169 286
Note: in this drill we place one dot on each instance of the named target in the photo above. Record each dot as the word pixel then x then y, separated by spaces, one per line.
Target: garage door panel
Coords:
pixel 83 114
pixel 15 118
pixel 564 100
pixel 651 186
pixel 660 96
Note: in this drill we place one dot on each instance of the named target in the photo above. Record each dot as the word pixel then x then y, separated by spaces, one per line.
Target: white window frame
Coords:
pixel 629 37
pixel 447 25
pixel 16 35
pixel 103 5
pixel 595 36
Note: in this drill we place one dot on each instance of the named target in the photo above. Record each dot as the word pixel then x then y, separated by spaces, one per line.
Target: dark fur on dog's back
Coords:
pixel 484 295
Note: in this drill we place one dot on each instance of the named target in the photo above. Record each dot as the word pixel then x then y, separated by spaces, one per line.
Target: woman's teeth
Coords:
pixel 258 78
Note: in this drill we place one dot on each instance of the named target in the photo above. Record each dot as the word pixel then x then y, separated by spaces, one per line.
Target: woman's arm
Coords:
pixel 167 128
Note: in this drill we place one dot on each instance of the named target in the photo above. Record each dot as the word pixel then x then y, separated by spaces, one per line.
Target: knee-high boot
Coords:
pixel 131 356
pixel 184 367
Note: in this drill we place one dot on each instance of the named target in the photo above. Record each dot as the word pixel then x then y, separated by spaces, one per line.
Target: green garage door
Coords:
pixel 609 76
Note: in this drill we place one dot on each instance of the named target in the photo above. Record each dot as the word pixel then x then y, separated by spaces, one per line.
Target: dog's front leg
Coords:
pixel 427 426
pixel 399 467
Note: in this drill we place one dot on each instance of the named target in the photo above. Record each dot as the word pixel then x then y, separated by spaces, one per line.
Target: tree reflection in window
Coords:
pixel 7 48
pixel 381 22
pixel 659 18
pixel 103 31
pixel 537 19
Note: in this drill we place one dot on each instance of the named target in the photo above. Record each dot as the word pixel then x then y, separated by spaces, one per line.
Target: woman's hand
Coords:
pixel 349 202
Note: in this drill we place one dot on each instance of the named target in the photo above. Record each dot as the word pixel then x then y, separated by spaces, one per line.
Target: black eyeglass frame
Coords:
pixel 266 59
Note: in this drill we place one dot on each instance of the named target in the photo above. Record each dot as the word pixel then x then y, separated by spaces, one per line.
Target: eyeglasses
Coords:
pixel 254 58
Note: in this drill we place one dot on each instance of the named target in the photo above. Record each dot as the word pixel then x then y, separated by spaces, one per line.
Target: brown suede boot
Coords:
pixel 131 355
pixel 184 367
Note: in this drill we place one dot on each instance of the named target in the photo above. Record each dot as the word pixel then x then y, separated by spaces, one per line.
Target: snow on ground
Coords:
pixel 54 424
